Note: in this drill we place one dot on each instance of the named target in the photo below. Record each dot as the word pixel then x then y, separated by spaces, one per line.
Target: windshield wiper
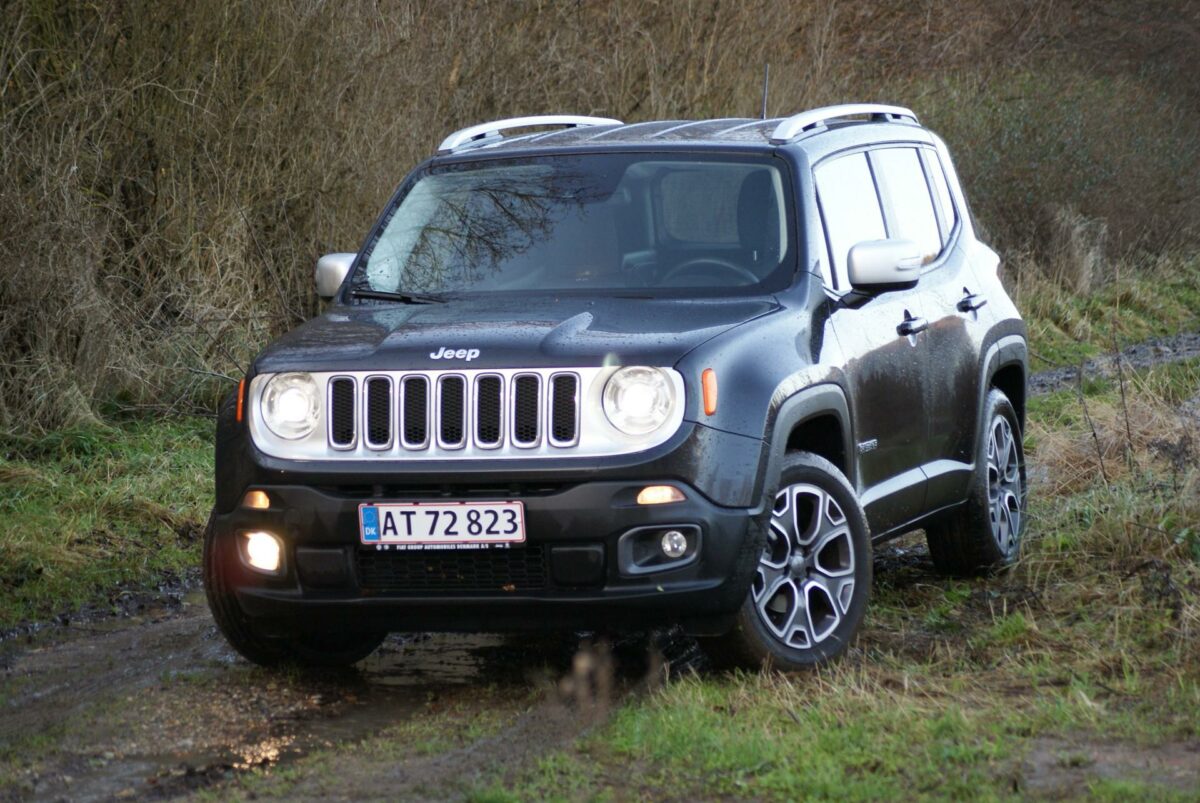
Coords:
pixel 403 298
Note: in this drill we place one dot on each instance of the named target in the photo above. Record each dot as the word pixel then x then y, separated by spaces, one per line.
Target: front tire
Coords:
pixel 315 649
pixel 984 534
pixel 813 579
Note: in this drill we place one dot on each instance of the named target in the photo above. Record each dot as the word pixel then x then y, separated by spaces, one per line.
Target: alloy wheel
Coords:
pixel 805 579
pixel 1006 481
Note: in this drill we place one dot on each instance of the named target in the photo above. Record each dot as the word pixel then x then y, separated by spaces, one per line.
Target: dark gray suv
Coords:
pixel 607 376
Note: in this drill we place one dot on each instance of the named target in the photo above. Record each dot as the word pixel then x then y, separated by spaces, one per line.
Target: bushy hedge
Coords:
pixel 171 169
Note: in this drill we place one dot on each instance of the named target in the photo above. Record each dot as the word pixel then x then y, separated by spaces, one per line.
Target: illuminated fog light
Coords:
pixel 674 544
pixel 263 552
pixel 659 495
pixel 257 500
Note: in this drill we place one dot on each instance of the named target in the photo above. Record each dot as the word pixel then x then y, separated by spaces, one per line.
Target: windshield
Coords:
pixel 654 225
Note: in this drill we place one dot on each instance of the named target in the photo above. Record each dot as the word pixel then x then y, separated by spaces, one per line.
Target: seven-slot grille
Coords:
pixel 450 411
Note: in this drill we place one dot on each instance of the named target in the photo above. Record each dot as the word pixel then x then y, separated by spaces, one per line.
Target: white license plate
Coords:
pixel 442 523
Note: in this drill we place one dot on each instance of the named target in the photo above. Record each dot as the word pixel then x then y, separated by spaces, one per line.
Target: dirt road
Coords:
pixel 158 705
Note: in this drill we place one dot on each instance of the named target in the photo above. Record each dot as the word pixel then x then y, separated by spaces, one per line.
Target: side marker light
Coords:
pixel 708 382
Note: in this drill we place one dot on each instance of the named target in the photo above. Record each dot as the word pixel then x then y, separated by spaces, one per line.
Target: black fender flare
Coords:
pixel 826 398
pixel 1005 351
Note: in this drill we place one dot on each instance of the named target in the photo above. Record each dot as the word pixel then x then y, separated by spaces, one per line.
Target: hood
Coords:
pixel 507 333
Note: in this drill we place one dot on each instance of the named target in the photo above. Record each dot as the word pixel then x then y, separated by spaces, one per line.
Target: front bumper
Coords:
pixel 570 573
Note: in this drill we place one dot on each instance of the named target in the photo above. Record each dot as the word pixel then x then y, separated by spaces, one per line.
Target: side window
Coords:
pixel 907 200
pixel 849 209
pixel 947 214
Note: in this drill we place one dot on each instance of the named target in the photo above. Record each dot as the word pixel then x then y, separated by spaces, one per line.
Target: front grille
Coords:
pixel 379 412
pixel 525 409
pixel 416 411
pixel 489 410
pixel 454 411
pixel 452 415
pixel 493 570
pixel 341 413
pixel 564 409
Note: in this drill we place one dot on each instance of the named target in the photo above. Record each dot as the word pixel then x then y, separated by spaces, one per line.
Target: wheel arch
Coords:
pixel 1006 368
pixel 817 420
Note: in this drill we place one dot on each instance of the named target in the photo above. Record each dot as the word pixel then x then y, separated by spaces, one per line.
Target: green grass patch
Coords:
pixel 85 510
pixel 958 687
pixel 1146 298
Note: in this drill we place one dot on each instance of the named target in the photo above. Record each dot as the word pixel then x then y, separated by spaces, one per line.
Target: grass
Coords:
pixel 1144 298
pixel 90 512
pixel 1087 653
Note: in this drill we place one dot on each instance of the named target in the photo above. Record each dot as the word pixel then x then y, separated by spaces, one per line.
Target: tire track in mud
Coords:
pixel 1158 351
pixel 160 706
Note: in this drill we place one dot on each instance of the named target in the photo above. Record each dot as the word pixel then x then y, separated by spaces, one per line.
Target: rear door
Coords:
pixel 885 370
pixel 917 205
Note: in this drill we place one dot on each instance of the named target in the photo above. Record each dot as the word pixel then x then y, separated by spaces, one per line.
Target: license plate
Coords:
pixel 442 523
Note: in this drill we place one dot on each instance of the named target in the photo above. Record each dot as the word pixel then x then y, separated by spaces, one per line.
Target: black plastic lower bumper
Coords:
pixel 574 571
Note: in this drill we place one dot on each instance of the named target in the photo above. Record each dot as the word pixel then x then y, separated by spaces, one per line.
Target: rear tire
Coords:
pixel 984 534
pixel 315 649
pixel 813 579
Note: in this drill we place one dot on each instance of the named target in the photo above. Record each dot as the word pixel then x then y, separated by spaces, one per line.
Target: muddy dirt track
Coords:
pixel 157 705
pixel 154 704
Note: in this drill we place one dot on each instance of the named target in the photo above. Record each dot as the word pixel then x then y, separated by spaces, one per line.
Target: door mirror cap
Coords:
pixel 877 265
pixel 331 272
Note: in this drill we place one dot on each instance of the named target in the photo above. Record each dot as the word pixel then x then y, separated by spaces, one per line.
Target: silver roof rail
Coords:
pixel 491 131
pixel 797 124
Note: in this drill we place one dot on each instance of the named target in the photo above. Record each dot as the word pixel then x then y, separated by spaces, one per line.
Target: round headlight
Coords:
pixel 638 400
pixel 291 405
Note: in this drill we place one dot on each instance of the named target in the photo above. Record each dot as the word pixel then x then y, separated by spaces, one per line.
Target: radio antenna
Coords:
pixel 766 84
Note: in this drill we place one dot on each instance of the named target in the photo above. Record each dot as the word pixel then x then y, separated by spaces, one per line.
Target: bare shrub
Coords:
pixel 171 170
pixel 1075 247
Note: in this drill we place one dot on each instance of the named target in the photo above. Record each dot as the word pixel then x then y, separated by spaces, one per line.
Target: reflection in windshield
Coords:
pixel 613 222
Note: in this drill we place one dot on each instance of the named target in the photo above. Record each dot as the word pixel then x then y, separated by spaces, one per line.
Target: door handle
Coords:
pixel 911 325
pixel 970 301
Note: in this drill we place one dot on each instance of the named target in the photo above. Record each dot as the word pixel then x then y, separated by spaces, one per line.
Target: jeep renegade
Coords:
pixel 599 376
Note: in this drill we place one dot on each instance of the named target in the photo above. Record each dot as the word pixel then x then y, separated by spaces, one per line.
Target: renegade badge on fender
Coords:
pixel 607 376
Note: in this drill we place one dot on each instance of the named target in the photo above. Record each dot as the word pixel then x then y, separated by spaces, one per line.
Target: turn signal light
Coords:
pixel 708 382
pixel 257 500
pixel 659 495
pixel 263 552
pixel 241 399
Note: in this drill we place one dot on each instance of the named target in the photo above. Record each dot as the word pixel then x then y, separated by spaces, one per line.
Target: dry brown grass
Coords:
pixel 172 169
pixel 1105 438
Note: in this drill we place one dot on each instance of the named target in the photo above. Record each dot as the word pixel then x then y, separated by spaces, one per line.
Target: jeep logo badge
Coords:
pixel 454 354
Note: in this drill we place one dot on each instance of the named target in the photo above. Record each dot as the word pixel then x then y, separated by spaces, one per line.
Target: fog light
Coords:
pixel 263 551
pixel 659 495
pixel 257 500
pixel 674 544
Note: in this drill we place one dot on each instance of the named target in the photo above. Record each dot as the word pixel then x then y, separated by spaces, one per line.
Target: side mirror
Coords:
pixel 331 272
pixel 877 265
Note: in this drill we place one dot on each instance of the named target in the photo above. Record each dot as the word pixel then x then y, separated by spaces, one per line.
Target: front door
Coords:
pixel 883 341
pixel 917 206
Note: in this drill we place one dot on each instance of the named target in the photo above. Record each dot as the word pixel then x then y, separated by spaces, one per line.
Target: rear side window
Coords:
pixel 907 200
pixel 849 209
pixel 947 215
